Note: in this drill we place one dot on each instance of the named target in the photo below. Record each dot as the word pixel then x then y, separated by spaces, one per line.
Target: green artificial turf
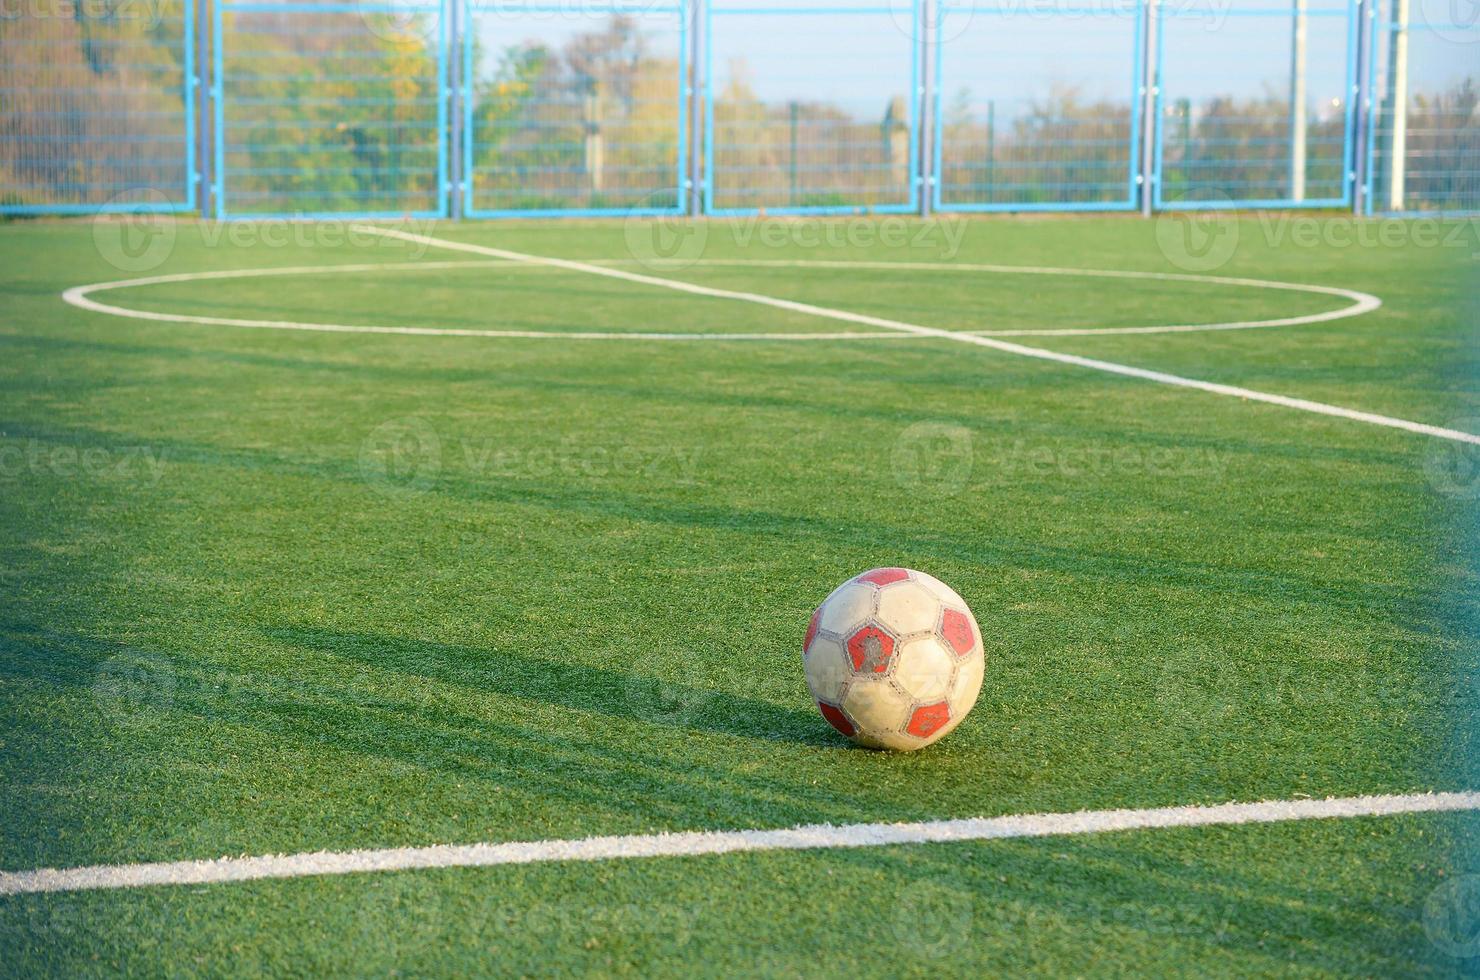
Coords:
pixel 271 591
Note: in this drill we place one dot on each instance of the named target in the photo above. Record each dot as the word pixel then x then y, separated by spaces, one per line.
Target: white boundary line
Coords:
pixel 818 836
pixel 80 296
pixel 1300 404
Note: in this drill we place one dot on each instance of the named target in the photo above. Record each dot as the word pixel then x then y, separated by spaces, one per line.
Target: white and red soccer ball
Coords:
pixel 894 659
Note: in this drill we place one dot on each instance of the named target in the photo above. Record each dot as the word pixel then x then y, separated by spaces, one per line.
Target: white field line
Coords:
pixel 1300 404
pixel 1361 303
pixel 80 296
pixel 818 836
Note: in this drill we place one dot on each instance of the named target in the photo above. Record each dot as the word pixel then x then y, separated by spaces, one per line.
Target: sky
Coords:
pixel 861 61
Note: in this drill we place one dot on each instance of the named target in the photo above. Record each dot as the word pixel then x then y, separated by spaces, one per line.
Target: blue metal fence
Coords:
pixel 346 108
pixel 329 109
pixel 1038 106
pixel 812 109
pixel 97 108
pixel 1255 103
pixel 574 110
pixel 1423 141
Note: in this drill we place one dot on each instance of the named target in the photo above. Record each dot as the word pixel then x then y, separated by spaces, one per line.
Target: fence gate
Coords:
pixel 1256 103
pixel 1037 106
pixel 330 109
pixel 812 109
pixel 97 107
pixel 1423 140
pixel 575 109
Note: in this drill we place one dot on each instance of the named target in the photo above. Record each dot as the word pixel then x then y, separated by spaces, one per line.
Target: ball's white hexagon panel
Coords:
pixel 908 607
pixel 968 684
pixel 847 608
pixel 924 669
pixel 946 594
pixel 875 706
pixel 828 669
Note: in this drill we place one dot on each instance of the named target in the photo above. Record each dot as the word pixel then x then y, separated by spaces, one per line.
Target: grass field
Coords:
pixel 269 591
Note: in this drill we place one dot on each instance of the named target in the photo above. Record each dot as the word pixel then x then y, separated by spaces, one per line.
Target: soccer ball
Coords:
pixel 894 659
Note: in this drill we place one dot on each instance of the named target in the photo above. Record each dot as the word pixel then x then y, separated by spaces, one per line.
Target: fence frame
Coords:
pixel 190 107
pixel 1349 145
pixel 682 10
pixel 911 206
pixel 1380 27
pixel 202 51
pixel 218 120
pixel 1137 90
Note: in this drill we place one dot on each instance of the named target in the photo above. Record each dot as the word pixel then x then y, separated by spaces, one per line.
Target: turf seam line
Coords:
pixel 694 844
pixel 1300 404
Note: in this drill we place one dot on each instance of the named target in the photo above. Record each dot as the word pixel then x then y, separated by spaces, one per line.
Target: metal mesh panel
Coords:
pixel 330 109
pixel 1248 113
pixel 577 109
pixel 1037 106
pixel 97 107
pixel 1424 141
pixel 812 109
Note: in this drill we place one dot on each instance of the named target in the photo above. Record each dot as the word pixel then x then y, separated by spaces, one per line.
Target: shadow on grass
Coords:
pixel 568 685
pixel 405 724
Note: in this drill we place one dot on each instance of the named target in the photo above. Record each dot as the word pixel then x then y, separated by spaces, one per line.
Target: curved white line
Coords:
pixel 79 296
pixel 1361 303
